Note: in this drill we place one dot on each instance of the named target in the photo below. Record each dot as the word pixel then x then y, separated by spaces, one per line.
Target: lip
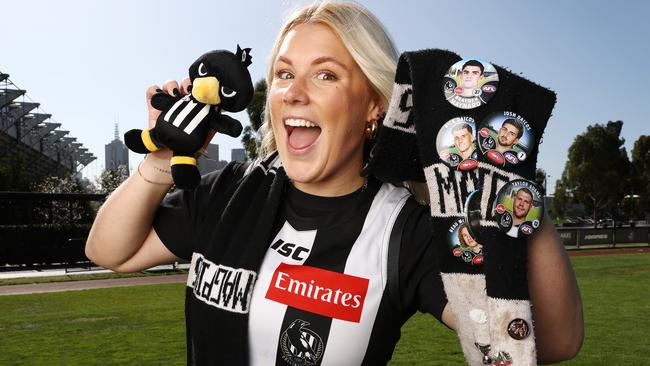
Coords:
pixel 302 151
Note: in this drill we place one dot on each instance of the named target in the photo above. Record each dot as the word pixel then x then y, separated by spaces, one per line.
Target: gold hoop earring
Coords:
pixel 371 130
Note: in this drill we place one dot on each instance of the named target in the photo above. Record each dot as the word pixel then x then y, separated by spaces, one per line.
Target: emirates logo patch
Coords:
pixel 332 294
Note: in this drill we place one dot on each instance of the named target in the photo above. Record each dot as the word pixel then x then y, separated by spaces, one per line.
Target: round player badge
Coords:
pixel 470 83
pixel 473 214
pixel 505 139
pixel 519 208
pixel 463 244
pixel 456 143
pixel 518 329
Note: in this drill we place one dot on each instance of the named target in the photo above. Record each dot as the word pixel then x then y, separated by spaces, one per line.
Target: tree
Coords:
pixel 639 196
pixel 110 179
pixel 250 138
pixel 13 174
pixel 63 212
pixel 597 171
pixel 561 200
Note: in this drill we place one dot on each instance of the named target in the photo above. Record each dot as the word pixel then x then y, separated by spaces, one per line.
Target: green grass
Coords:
pixel 144 325
pixel 140 325
pixel 614 292
pixel 616 306
pixel 85 277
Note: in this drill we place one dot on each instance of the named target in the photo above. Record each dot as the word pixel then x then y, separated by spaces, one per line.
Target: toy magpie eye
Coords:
pixel 202 70
pixel 227 92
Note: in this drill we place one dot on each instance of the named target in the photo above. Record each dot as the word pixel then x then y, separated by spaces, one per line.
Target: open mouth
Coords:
pixel 301 133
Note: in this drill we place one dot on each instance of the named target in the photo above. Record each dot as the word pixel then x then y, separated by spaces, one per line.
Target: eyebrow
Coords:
pixel 316 61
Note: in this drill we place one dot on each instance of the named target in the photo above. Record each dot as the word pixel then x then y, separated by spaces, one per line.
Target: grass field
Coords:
pixel 85 276
pixel 144 325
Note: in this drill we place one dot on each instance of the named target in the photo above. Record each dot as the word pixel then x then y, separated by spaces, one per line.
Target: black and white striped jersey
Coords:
pixel 186 114
pixel 320 295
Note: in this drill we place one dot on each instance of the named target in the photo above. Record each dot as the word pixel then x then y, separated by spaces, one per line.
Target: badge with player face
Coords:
pixel 470 83
pixel 463 245
pixel 505 139
pixel 456 143
pixel 519 208
pixel 473 214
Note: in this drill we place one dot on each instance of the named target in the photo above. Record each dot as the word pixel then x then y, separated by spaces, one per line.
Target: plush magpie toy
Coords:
pixel 219 81
pixel 475 200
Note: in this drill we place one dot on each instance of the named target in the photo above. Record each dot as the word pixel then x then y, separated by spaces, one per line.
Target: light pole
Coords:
pixel 632 197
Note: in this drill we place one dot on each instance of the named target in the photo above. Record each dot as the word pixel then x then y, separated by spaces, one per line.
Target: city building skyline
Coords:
pixel 116 153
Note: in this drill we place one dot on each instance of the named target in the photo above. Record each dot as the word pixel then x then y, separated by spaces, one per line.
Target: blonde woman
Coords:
pixel 288 255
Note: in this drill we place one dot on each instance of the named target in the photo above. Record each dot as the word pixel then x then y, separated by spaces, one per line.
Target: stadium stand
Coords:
pixel 28 132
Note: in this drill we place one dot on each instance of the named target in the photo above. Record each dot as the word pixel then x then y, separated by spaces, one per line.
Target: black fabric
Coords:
pixel 394 247
pixel 505 266
pixel 216 220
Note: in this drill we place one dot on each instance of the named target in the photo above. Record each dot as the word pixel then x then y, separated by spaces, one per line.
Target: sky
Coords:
pixel 89 62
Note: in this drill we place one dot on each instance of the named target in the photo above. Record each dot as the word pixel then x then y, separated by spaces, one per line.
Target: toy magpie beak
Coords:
pixel 206 90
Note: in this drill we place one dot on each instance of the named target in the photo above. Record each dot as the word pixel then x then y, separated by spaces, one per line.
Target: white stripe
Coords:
pixel 269 165
pixel 347 342
pixel 197 119
pixel 266 316
pixel 181 116
pixel 173 108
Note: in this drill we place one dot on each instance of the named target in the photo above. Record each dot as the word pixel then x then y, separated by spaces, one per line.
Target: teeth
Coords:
pixel 295 122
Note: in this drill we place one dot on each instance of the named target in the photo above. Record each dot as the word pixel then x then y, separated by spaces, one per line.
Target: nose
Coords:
pixel 296 92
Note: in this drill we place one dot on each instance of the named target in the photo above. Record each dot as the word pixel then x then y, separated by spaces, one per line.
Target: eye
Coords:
pixel 326 75
pixel 282 74
pixel 227 92
pixel 202 70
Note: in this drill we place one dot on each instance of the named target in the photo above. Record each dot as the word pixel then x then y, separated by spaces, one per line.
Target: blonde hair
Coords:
pixel 362 35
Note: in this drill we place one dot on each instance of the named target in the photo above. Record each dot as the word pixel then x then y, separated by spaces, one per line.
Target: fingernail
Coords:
pixel 158 90
pixel 175 91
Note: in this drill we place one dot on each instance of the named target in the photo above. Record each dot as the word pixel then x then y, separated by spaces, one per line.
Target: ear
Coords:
pixel 375 107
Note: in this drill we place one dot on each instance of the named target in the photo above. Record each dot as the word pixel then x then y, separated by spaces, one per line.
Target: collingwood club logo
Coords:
pixel 301 346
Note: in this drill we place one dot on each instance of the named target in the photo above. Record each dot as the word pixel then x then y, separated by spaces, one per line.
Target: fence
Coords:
pixel 612 237
pixel 44 229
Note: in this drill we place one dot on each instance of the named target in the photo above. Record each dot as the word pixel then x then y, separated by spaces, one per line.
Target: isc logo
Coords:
pixel 290 250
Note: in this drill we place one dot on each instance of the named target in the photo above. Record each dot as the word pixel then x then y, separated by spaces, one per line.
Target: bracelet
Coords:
pixel 152 182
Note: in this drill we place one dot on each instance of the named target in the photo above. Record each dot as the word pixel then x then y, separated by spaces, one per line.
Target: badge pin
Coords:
pixel 470 83
pixel 502 359
pixel 463 244
pixel 505 139
pixel 518 329
pixel 456 143
pixel 519 208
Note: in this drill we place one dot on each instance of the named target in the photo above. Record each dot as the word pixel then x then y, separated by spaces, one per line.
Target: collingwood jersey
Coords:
pixel 186 114
pixel 319 296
